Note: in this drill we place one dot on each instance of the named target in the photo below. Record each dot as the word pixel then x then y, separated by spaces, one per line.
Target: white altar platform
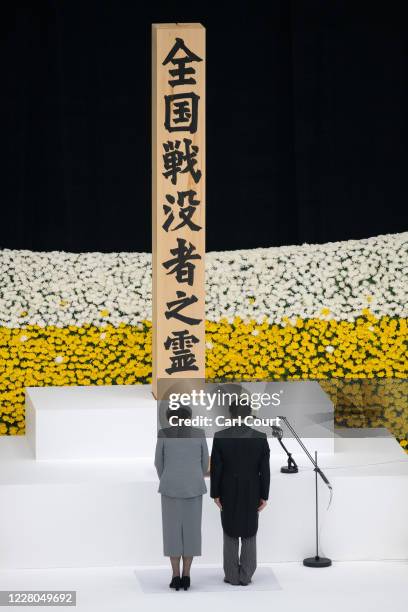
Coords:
pixel 80 489
pixel 104 422
pixel 91 422
pixel 85 513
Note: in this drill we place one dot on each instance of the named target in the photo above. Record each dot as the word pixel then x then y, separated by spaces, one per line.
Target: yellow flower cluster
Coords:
pixel 381 402
pixel 367 348
pixel 382 406
pixel 39 356
pixel 308 349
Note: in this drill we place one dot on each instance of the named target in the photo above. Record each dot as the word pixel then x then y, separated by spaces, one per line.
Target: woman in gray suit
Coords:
pixel 181 461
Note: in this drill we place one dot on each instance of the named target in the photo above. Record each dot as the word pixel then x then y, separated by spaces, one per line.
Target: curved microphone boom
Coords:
pixel 317 560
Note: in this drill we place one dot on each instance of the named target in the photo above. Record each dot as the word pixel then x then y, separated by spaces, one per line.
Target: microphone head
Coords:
pixel 277 432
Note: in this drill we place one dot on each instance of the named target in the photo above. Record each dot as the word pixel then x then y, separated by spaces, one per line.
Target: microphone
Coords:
pixel 277 432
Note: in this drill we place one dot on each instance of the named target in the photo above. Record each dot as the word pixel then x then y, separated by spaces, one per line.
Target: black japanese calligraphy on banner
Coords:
pixel 187 204
pixel 182 358
pixel 178 200
pixel 181 112
pixel 180 157
pixel 181 72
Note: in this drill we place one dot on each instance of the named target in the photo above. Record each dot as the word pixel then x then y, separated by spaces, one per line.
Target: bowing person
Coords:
pixel 181 461
pixel 240 480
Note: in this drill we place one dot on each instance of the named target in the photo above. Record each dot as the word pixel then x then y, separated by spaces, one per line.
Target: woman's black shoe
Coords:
pixel 185 582
pixel 175 583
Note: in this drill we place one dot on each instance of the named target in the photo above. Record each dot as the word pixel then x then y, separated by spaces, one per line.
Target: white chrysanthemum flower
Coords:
pixel 288 281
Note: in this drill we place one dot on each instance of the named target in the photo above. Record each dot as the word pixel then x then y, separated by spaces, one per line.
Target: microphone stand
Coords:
pixel 317 560
pixel 291 467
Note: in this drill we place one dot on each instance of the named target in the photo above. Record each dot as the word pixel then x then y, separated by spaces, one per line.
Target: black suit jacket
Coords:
pixel 240 477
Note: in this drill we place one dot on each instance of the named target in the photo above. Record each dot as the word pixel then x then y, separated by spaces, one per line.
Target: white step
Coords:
pixel 104 513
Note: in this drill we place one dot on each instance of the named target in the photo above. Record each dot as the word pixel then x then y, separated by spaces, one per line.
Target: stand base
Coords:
pixel 317 562
pixel 289 470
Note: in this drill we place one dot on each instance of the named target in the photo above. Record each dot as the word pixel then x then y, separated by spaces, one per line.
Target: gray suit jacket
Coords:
pixel 181 463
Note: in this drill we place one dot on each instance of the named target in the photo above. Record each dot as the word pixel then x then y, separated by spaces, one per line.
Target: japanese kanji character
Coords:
pixel 181 264
pixel 174 158
pixel 188 206
pixel 181 70
pixel 178 305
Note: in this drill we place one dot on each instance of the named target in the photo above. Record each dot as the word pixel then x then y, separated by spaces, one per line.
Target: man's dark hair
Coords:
pixel 238 410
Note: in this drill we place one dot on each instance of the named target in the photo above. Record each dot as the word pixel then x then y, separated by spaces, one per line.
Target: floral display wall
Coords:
pixel 332 311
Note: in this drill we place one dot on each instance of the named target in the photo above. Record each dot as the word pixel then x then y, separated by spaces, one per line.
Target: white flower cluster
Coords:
pixel 334 280
pixel 57 288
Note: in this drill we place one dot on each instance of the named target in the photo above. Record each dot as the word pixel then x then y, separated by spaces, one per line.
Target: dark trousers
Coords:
pixel 239 568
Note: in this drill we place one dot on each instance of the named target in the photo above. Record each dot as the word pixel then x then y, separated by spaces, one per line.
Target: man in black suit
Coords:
pixel 240 479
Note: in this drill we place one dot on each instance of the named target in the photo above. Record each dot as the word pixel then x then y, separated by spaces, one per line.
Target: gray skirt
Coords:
pixel 181 518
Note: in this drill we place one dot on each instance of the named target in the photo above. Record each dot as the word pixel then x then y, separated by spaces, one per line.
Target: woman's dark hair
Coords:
pixel 183 412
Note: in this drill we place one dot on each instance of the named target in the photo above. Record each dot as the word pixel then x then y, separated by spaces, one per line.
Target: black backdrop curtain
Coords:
pixel 306 113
